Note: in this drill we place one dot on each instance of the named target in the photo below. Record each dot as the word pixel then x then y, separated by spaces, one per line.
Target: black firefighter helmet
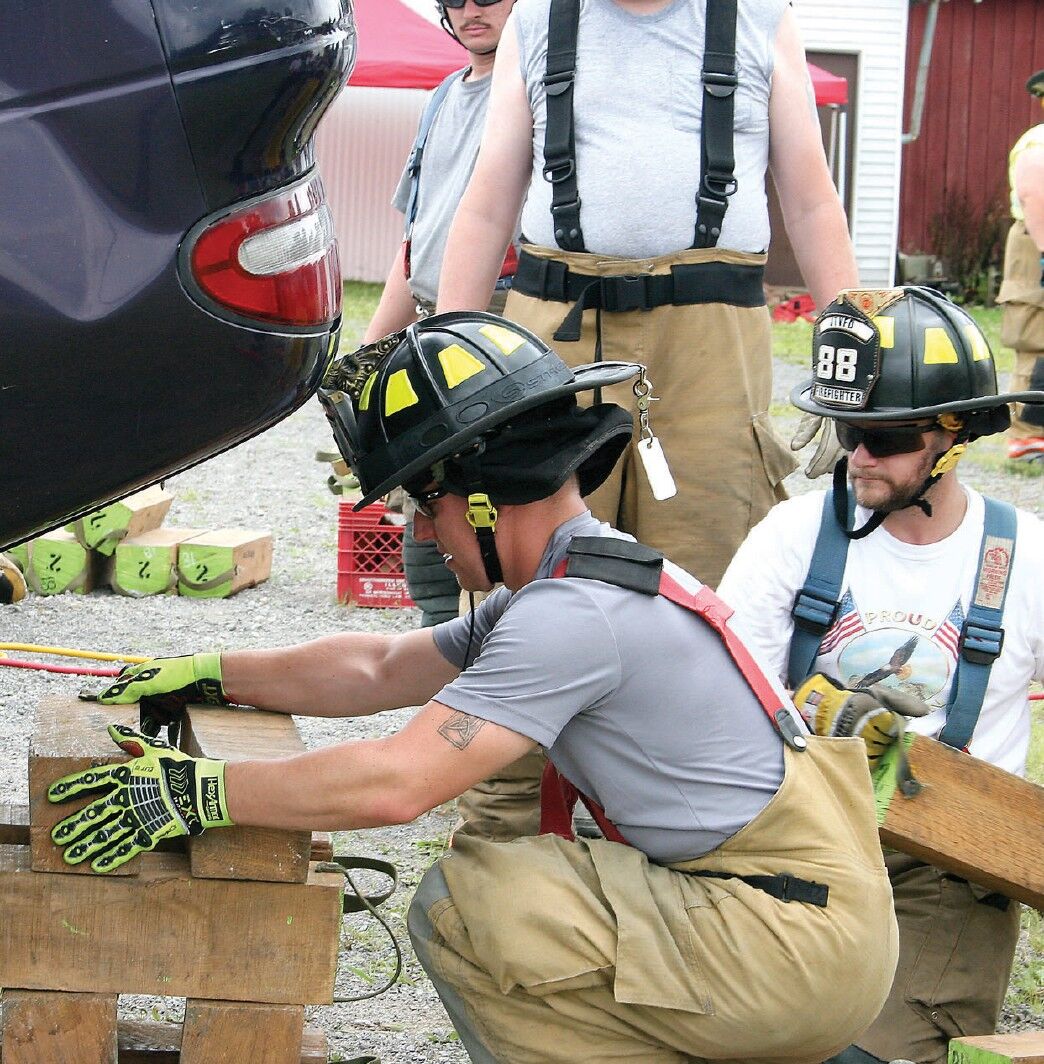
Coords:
pixel 902 354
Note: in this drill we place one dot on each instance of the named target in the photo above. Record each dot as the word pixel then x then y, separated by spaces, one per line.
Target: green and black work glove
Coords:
pixel 161 794
pixel 877 715
pixel 164 687
pixel 828 450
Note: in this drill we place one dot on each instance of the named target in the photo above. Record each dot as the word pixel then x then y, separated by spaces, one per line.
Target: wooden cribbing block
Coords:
pixel 68 736
pixel 59 562
pixel 245 852
pixel 1022 1047
pixel 163 932
pixel 220 563
pixel 14 826
pixel 137 513
pixel 152 1042
pixel 43 1027
pixel 226 1032
pixel 970 818
pixel 147 564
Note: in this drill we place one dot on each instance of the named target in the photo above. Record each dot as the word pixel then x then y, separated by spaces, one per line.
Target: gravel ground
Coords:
pixel 274 482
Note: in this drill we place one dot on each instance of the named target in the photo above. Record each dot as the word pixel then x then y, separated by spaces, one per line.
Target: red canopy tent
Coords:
pixel 399 49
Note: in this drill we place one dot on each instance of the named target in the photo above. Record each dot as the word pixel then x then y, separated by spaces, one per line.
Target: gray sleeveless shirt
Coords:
pixel 637 109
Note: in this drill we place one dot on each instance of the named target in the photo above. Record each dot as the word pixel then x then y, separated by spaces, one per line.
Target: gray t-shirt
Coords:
pixel 449 157
pixel 637 107
pixel 635 699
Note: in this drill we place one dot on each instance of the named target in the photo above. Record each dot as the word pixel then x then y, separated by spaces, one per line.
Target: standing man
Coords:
pixel 439 167
pixel 1022 291
pixel 637 133
pixel 907 591
pixel 742 877
pixel 432 182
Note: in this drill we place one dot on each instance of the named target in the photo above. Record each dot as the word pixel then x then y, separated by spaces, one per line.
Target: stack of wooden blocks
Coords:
pixel 240 922
pixel 122 546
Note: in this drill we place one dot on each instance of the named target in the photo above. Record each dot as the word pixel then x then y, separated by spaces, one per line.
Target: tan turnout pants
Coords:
pixel 548 951
pixel 711 366
pixel 1022 325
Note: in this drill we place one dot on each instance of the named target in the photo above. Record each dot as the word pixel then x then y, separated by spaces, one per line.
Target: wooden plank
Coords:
pixel 163 932
pixel 245 852
pixel 322 846
pixel 43 1027
pixel 1022 1047
pixel 14 826
pixel 68 736
pixel 225 1032
pixel 151 1042
pixel 970 818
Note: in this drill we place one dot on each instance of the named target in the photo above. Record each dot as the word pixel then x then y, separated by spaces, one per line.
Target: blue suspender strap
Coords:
pixel 816 603
pixel 982 636
pixel 417 152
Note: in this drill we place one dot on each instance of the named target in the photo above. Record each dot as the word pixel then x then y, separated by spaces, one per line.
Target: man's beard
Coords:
pixel 899 497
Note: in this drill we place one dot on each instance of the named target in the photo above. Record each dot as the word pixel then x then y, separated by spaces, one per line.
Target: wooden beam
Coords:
pixel 1022 1047
pixel 226 1032
pixel 163 932
pixel 152 1042
pixel 68 736
pixel 43 1027
pixel 969 818
pixel 14 825
pixel 245 852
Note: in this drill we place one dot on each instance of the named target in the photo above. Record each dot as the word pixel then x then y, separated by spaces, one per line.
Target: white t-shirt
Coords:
pixel 905 598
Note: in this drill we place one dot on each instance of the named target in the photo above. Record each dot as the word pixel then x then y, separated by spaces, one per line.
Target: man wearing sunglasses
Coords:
pixel 904 584
pixel 732 911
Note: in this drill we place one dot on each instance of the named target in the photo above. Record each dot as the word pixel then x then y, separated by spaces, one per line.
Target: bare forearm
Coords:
pixel 824 251
pixel 344 675
pixel 474 255
pixel 397 307
pixel 337 788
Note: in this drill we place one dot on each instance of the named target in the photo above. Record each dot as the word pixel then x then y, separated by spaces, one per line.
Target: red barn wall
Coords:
pixel 975 107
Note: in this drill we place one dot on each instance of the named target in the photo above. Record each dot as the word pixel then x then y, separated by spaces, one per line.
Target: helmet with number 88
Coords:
pixel 903 354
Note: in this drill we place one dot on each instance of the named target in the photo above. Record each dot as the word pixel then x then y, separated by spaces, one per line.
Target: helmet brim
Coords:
pixel 584 378
pixel 801 397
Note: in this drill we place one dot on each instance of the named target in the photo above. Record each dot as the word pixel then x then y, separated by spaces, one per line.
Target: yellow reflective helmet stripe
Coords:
pixel 458 365
pixel 399 393
pixel 938 347
pixel 506 339
pixel 364 395
pixel 980 349
pixel 886 327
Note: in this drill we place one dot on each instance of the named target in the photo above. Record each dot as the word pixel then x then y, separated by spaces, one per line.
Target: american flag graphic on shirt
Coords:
pixel 948 634
pixel 848 625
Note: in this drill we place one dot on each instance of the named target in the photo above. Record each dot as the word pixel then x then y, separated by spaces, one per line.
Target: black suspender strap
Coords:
pixel 717 158
pixel 559 145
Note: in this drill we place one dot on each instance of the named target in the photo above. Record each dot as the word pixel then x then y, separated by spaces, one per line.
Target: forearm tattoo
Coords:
pixel 460 729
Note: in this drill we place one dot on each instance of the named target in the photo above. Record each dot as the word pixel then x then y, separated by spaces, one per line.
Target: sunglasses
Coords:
pixel 458 4
pixel 884 442
pixel 423 500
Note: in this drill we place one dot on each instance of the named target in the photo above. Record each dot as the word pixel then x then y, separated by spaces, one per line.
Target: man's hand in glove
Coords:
pixel 828 451
pixel 164 686
pixel 161 794
pixel 875 715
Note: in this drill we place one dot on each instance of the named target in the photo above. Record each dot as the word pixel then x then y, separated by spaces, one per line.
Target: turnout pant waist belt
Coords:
pixel 782 887
pixel 685 285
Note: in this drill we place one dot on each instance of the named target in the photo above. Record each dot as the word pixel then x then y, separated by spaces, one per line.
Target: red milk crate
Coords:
pixel 369 558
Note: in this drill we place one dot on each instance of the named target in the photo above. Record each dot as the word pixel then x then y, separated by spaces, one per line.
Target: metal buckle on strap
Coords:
pixel 559 82
pixel 719 84
pixel 719 185
pixel 981 644
pixel 571 205
pixel 813 612
pixel 558 171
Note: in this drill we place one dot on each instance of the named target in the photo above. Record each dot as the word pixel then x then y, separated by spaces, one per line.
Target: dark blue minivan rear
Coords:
pixel 169 280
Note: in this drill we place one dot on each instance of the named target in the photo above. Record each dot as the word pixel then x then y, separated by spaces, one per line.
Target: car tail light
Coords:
pixel 274 259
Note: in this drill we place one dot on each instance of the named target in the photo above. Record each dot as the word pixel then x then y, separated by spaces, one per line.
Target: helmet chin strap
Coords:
pixel 481 513
pixel 944 462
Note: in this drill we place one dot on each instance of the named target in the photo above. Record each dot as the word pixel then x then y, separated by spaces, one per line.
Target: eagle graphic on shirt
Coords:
pixel 905 649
